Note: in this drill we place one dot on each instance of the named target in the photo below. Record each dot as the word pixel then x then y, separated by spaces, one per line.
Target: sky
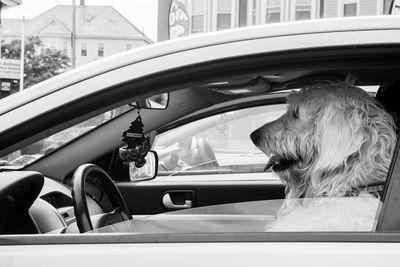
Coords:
pixel 141 13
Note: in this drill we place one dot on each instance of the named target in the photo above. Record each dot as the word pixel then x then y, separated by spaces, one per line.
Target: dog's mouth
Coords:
pixel 279 164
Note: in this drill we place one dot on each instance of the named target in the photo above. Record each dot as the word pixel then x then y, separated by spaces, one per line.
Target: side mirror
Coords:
pixel 148 171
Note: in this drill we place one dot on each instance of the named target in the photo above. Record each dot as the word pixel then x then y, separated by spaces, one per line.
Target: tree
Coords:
pixel 40 63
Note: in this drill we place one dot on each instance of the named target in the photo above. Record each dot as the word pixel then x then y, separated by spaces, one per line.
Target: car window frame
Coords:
pixel 389 220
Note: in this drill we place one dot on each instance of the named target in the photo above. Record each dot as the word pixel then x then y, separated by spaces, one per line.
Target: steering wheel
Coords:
pixel 94 174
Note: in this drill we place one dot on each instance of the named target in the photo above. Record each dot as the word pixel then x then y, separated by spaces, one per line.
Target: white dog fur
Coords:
pixel 332 142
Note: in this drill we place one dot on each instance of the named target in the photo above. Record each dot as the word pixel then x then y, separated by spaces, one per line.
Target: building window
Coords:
pixel 242 13
pixel 306 9
pixel 224 14
pixel 321 8
pixel 273 11
pixel 100 50
pixel 83 49
pixel 128 46
pixel 254 12
pixel 198 7
pixel 386 6
pixel 303 10
pixel 53 45
pixel 348 8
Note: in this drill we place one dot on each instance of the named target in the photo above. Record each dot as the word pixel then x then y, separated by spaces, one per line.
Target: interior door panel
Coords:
pixel 208 161
pixel 146 197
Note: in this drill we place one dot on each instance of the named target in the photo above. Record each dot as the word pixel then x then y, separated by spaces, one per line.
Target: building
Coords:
pixel 5 84
pixel 100 31
pixel 214 15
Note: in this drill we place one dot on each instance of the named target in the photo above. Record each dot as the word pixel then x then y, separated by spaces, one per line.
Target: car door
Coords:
pixel 207 161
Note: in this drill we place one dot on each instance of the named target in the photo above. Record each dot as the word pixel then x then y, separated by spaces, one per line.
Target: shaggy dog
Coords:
pixel 330 145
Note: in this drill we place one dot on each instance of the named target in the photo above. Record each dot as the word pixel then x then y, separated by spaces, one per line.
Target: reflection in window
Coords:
pixel 224 14
pixel 273 12
pixel 198 16
pixel 303 10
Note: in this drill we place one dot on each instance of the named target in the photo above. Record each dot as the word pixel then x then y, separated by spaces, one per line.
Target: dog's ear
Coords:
pixel 354 144
pixel 339 136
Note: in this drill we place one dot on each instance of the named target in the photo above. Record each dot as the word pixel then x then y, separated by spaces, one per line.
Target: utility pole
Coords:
pixel 21 75
pixel 1 32
pixel 73 35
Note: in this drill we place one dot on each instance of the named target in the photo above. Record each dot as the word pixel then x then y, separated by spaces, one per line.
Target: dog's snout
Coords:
pixel 255 137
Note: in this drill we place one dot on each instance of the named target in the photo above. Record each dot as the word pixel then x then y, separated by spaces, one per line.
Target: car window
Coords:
pixel 217 144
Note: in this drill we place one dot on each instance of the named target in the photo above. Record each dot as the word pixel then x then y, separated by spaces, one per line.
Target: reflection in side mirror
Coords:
pixel 148 171
pixel 155 102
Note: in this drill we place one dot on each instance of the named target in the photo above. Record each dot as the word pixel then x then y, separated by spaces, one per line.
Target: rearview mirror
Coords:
pixel 148 171
pixel 155 102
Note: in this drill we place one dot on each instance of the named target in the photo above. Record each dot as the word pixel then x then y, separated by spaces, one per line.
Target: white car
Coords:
pixel 58 209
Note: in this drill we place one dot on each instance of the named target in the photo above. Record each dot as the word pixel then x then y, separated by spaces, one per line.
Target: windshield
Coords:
pixel 306 214
pixel 35 151
pixel 58 36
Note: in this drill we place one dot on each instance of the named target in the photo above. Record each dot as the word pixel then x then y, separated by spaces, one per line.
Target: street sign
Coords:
pixel 178 20
pixel 10 68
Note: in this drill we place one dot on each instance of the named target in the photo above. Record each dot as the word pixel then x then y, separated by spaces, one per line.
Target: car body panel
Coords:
pixel 205 254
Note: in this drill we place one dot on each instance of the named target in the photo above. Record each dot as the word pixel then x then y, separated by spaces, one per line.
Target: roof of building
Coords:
pixel 91 21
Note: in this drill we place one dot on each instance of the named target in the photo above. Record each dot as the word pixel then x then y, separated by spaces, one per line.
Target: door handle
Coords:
pixel 167 202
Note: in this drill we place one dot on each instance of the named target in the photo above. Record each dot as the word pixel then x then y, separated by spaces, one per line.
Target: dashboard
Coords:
pixel 34 204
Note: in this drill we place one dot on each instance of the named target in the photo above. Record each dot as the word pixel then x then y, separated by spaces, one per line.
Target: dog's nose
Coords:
pixel 254 136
